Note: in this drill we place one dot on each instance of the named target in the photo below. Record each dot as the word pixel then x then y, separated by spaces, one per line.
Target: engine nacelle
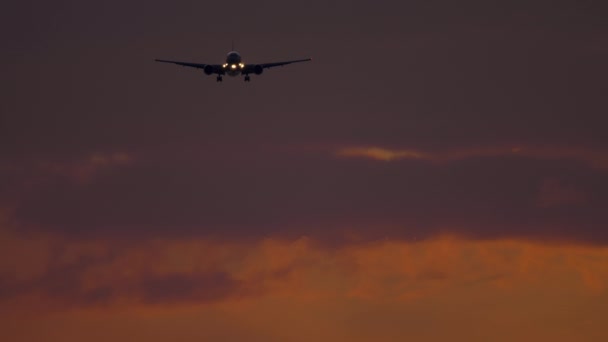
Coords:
pixel 209 69
pixel 258 69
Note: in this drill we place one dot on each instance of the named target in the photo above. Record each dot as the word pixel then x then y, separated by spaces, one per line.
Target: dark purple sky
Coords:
pixel 438 171
pixel 97 139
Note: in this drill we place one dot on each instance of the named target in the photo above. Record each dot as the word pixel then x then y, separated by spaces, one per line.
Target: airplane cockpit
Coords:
pixel 233 58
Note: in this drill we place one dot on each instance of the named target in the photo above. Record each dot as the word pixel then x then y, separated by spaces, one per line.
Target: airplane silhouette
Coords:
pixel 234 66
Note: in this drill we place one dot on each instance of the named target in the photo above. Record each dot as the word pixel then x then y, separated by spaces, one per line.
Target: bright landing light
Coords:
pixel 233 66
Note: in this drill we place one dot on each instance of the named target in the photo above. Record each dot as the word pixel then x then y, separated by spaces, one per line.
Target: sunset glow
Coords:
pixel 438 173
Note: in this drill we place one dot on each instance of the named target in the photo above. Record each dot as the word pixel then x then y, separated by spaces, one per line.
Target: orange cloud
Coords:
pixel 383 154
pixel 383 270
pixel 595 158
pixel 277 289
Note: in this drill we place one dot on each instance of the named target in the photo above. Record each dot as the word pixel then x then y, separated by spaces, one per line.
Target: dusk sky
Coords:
pixel 439 171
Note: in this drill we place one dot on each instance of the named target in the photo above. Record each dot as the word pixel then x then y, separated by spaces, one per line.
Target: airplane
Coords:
pixel 233 66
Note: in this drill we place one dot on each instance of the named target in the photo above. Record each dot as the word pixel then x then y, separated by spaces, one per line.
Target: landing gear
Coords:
pixel 247 78
pixel 219 79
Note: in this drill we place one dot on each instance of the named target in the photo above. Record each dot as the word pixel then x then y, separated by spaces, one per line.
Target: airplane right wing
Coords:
pixel 209 68
pixel 276 64
pixel 257 68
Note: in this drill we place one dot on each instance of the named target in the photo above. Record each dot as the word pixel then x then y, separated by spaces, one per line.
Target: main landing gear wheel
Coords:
pixel 247 78
pixel 219 79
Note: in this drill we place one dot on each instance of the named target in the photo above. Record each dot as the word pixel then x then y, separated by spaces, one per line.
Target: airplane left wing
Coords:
pixel 209 68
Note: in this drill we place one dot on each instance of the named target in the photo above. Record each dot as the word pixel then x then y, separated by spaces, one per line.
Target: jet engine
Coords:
pixel 208 69
pixel 258 69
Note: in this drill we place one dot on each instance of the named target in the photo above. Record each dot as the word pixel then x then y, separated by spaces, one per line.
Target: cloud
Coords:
pixel 594 158
pixel 242 194
pixel 378 153
pixel 182 288
pixel 22 177
pixel 203 273
pixel 80 285
pixel 258 287
pixel 85 169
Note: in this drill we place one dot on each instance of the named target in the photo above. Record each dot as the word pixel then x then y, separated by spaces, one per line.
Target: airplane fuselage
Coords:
pixel 233 65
